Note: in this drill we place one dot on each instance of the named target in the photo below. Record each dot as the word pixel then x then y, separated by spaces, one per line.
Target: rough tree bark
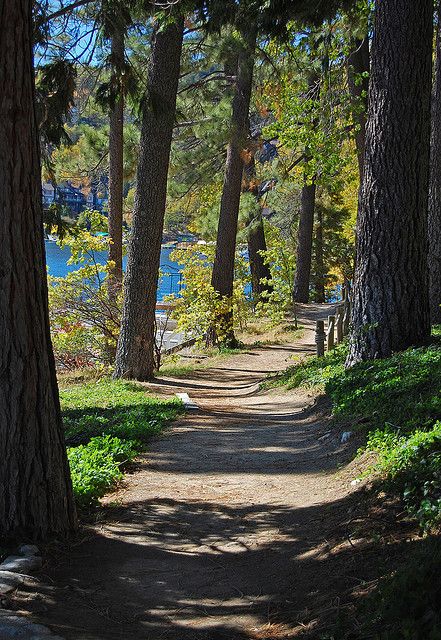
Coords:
pixel 390 295
pixel 358 81
pixel 135 353
pixel 306 220
pixel 35 488
pixel 223 267
pixel 435 188
pixel 304 243
pixel 116 173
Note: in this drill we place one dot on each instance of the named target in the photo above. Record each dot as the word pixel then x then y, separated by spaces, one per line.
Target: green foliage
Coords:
pixel 280 258
pixel 312 372
pixel 413 465
pixel 198 306
pixel 96 466
pixel 401 391
pixel 110 422
pixel 54 89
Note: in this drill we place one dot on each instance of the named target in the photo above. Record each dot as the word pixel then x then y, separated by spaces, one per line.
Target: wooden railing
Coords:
pixel 337 326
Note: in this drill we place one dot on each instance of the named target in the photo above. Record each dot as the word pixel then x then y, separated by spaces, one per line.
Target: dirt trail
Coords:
pixel 222 533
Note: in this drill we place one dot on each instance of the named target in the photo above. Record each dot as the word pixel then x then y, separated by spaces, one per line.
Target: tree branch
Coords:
pixel 71 7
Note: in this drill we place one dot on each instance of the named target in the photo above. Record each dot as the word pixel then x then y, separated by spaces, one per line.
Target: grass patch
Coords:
pixel 107 423
pixel 113 407
pixel 311 372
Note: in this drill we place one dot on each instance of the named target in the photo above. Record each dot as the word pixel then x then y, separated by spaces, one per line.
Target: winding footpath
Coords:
pixel 223 530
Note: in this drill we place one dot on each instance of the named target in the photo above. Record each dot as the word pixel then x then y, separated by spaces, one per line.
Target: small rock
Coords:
pixel 345 436
pixel 9 581
pixel 355 482
pixel 13 627
pixel 29 550
pixel 21 564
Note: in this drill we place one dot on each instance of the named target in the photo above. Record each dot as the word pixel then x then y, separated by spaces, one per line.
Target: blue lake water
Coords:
pixel 57 257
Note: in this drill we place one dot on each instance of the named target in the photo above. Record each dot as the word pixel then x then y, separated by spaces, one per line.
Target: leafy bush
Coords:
pixel 84 318
pixel 280 258
pixel 402 391
pixel 198 306
pixel 312 372
pixel 96 466
pixel 413 465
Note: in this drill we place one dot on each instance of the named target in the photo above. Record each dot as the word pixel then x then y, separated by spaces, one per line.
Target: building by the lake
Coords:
pixel 75 199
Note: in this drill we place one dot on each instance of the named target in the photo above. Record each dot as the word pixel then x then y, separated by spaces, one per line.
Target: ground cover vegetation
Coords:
pixel 107 423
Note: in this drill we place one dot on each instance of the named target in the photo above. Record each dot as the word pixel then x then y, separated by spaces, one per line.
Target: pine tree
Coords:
pixel 223 267
pixel 116 163
pixel 435 188
pixel 135 353
pixel 35 488
pixel 391 306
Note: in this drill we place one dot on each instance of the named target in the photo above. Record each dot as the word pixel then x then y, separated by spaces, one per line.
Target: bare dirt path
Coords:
pixel 223 531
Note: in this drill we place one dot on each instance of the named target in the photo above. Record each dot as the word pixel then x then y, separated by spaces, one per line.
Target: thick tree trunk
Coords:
pixel 116 174
pixel 358 81
pixel 35 487
pixel 319 284
pixel 223 267
pixel 304 243
pixel 390 296
pixel 435 189
pixel 135 353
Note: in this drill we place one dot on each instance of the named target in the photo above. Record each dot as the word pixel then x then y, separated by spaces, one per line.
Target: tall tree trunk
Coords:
pixel 435 189
pixel 319 259
pixel 390 296
pixel 223 267
pixel 260 271
pixel 304 243
pixel 358 81
pixel 35 487
pixel 306 220
pixel 116 174
pixel 135 353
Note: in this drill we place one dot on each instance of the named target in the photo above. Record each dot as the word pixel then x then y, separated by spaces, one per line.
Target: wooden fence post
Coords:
pixel 320 337
pixel 339 322
pixel 347 317
pixel 330 332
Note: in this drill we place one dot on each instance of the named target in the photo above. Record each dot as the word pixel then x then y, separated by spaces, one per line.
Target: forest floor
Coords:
pixel 234 525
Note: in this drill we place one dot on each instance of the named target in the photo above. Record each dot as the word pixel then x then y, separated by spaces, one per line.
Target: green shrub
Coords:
pixel 413 466
pixel 96 466
pixel 312 372
pixel 402 391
